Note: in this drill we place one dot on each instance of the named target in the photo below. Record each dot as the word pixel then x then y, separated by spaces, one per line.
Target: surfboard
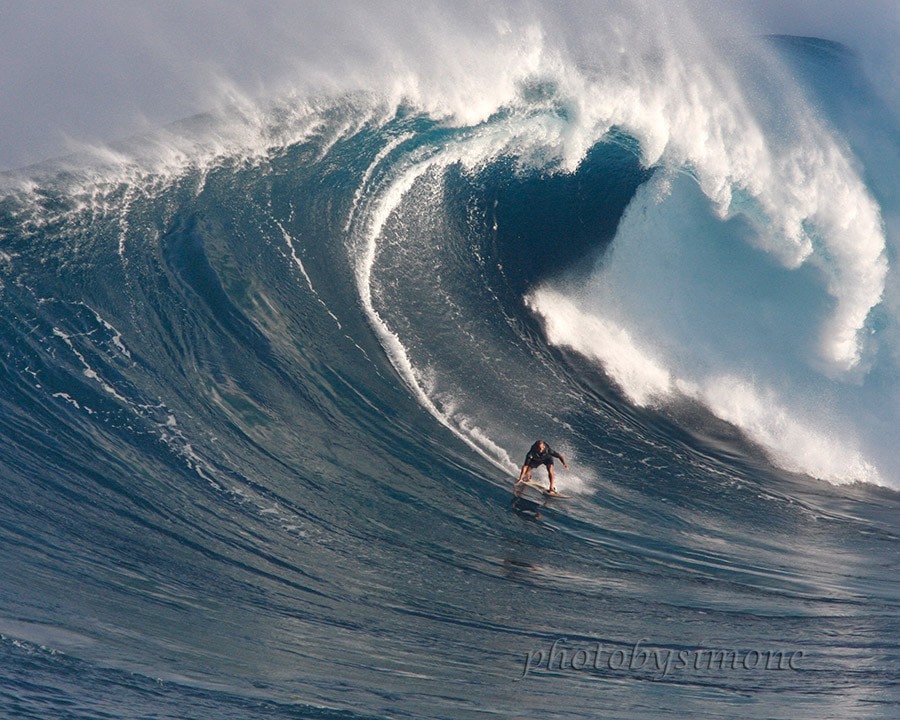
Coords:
pixel 544 491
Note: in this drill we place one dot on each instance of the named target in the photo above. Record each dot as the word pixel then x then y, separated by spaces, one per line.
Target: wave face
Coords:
pixel 267 377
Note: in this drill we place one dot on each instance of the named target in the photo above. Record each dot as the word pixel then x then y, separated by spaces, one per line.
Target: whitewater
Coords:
pixel 269 372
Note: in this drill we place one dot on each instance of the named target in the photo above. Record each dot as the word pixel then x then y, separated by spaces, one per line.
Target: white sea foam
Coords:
pixel 815 446
pixel 640 376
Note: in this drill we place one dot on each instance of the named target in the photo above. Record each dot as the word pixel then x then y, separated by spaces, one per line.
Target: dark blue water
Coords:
pixel 260 416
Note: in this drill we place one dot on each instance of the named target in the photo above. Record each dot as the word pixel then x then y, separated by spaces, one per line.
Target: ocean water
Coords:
pixel 267 376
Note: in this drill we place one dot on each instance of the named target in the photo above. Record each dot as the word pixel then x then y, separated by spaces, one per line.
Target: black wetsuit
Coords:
pixel 536 458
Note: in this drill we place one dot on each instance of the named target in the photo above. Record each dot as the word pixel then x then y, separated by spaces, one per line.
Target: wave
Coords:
pixel 757 196
pixel 757 255
pixel 269 374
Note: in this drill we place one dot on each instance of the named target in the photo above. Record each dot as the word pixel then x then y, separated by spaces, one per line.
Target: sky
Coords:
pixel 94 71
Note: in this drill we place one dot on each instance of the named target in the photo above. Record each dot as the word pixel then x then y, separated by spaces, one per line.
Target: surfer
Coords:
pixel 540 454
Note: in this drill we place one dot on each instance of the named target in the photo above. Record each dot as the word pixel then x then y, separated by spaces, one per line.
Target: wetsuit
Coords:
pixel 536 458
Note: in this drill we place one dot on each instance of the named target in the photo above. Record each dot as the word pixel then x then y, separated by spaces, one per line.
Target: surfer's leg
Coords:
pixel 550 473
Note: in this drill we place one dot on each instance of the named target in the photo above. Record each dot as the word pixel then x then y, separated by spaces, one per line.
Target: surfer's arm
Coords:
pixel 560 457
pixel 522 473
